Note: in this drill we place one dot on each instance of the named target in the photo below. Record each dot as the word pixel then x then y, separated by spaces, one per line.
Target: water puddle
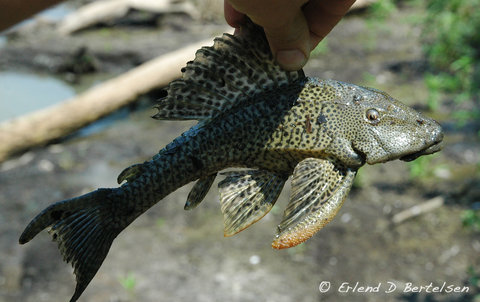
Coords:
pixel 53 14
pixel 26 92
pixel 56 13
pixel 103 123
pixel 21 93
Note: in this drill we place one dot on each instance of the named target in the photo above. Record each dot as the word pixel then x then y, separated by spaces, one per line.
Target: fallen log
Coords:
pixel 43 126
pixel 93 13
pixel 109 10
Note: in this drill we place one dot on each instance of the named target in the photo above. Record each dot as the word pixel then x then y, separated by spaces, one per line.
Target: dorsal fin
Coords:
pixel 234 70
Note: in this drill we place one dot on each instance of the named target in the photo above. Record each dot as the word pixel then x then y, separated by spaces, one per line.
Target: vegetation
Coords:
pixel 420 168
pixel 376 17
pixel 452 48
pixel 474 280
pixel 471 220
pixel 129 283
pixel 381 10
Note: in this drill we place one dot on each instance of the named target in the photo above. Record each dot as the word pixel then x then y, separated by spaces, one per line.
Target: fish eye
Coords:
pixel 372 115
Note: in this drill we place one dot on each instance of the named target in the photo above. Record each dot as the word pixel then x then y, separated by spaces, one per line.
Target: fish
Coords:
pixel 266 124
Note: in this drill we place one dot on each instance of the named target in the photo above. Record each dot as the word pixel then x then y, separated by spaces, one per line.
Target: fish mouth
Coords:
pixel 437 146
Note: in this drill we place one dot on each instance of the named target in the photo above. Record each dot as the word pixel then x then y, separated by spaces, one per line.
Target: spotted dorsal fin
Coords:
pixel 319 187
pixel 247 196
pixel 232 71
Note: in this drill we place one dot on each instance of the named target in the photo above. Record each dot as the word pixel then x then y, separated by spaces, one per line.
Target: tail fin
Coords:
pixel 84 229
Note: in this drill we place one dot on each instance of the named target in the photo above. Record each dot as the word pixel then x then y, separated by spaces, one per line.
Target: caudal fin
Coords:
pixel 84 229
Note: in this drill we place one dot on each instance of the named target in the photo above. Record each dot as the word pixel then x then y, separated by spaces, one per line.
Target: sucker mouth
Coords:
pixel 437 146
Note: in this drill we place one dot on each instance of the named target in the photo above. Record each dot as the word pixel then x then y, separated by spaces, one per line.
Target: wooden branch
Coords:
pixel 91 14
pixel 43 126
pixel 419 209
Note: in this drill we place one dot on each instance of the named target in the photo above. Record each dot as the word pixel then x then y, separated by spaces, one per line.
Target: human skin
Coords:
pixel 293 27
pixel 14 11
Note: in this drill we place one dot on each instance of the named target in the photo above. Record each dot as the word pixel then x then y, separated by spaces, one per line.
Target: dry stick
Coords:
pixel 419 209
pixel 43 126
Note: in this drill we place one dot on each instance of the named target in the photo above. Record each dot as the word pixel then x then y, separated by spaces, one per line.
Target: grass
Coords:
pixel 129 283
pixel 471 219
pixel 160 222
pixel 474 280
pixel 377 15
pixel 450 31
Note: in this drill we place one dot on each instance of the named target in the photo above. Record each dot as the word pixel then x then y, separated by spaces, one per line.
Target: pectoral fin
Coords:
pixel 319 187
pixel 199 190
pixel 247 196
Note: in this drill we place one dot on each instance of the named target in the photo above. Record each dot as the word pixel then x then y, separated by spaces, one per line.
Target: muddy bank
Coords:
pixel 173 255
pixel 111 49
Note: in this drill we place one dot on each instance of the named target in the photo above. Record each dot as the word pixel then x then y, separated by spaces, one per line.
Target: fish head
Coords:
pixel 379 128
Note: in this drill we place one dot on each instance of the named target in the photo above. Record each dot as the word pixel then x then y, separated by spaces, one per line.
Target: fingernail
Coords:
pixel 292 59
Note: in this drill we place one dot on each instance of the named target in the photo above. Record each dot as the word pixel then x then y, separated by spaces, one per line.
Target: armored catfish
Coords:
pixel 256 116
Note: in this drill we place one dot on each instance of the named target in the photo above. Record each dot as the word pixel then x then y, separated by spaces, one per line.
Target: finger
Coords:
pixel 290 42
pixel 233 17
pixel 285 27
pixel 322 16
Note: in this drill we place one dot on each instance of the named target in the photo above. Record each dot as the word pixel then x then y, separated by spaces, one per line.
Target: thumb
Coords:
pixel 290 42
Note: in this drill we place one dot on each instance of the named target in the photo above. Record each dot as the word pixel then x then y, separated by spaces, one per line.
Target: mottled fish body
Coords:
pixel 254 115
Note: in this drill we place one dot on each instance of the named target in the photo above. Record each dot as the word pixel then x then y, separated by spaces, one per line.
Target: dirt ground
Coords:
pixel 169 254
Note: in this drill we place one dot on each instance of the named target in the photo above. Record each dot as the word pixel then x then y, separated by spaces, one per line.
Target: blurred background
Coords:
pixel 402 223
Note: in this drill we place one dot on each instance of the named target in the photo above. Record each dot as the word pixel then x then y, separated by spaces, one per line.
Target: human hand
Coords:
pixel 293 27
pixel 12 12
